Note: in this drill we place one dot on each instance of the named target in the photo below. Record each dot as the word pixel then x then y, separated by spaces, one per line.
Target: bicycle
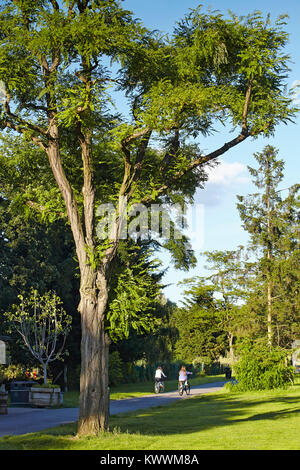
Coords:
pixel 159 386
pixel 184 387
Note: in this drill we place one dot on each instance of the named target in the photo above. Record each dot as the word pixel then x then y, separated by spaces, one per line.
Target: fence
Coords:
pixel 133 373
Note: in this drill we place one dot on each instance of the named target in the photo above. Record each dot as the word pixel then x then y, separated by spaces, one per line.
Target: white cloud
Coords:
pixel 228 174
pixel 224 180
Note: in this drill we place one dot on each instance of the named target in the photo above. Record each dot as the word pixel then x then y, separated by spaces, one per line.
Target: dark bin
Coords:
pixel 19 393
pixel 227 372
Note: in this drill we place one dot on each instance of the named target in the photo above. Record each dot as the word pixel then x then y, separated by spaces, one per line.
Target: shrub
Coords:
pixel 14 372
pixel 262 368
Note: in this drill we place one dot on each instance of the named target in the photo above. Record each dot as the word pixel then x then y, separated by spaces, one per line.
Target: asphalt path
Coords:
pixel 27 420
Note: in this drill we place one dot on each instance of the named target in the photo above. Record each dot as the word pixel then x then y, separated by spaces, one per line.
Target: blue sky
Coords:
pixel 221 223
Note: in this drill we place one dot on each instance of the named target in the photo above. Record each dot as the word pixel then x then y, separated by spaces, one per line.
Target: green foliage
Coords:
pixel 130 373
pixel 36 254
pixel 210 62
pixel 262 368
pixel 115 366
pixel 157 345
pixel 199 325
pixel 49 384
pixel 12 372
pixel 134 296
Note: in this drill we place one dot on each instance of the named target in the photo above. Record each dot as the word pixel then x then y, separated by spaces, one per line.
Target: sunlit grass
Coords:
pixel 267 420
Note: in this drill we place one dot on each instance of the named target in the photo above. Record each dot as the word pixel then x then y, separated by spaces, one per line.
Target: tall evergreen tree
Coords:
pixel 273 225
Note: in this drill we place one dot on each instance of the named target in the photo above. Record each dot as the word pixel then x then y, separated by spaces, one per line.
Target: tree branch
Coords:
pixel 88 189
pixel 40 208
pixel 55 5
pixel 246 108
pixel 22 121
pixel 138 162
pixel 195 163
pixel 216 153
pixel 71 9
pixel 128 179
pixel 141 133
pixel 171 154
pixel 22 130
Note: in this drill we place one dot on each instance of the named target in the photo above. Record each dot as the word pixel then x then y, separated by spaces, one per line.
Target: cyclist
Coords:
pixel 159 375
pixel 183 376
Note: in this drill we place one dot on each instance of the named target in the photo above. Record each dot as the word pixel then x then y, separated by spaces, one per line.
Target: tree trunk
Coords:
pixel 94 397
pixel 45 373
pixel 269 256
pixel 269 314
pixel 231 351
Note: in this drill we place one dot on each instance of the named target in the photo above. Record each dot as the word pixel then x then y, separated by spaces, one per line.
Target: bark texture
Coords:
pixel 94 392
pixel 94 397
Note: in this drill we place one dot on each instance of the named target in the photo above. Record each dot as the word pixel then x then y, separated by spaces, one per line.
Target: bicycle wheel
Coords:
pixel 180 390
pixel 187 389
pixel 156 387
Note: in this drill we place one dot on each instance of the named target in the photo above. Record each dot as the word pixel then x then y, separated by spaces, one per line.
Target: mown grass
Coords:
pixel 268 420
pixel 71 399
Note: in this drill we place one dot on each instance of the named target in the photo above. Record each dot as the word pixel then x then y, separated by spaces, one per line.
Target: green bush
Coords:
pixel 12 372
pixel 131 372
pixel 261 368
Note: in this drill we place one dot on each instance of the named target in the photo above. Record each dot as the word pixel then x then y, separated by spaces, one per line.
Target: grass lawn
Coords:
pixel 268 420
pixel 71 399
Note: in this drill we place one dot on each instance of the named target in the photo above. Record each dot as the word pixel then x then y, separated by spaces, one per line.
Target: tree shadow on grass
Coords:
pixel 187 416
pixel 194 414
pixel 203 413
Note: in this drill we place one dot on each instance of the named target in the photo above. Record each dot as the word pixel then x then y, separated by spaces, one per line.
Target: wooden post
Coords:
pixel 3 400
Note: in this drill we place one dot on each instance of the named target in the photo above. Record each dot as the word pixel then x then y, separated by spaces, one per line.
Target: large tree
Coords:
pixel 58 62
pixel 272 221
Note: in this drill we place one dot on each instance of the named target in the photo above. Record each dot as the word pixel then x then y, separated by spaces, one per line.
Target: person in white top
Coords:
pixel 159 375
pixel 183 375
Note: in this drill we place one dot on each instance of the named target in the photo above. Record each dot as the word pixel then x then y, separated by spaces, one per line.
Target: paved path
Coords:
pixel 27 420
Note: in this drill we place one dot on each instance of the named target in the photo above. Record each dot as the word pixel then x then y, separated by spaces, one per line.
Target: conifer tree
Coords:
pixel 272 222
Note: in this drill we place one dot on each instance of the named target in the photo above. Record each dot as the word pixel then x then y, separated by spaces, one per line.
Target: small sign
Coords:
pixel 2 352
pixel 296 355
